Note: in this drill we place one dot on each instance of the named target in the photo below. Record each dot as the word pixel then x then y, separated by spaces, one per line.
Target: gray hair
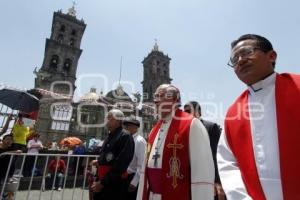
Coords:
pixel 172 90
pixel 117 114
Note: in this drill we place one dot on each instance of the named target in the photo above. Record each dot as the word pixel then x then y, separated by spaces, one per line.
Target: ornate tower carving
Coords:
pixel 62 52
pixel 58 73
pixel 156 72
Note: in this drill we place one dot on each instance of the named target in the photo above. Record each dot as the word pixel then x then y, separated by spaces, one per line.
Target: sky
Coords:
pixel 195 34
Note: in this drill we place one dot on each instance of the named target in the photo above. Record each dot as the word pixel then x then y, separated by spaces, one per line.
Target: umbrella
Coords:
pixel 35 92
pixel 18 99
pixel 71 141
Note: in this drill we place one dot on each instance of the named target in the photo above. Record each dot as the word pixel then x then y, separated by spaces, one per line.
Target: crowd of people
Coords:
pixel 186 157
pixel 189 158
pixel 22 139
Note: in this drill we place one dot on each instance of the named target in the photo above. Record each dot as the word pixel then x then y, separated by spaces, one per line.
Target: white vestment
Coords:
pixel 265 146
pixel 137 163
pixel 201 161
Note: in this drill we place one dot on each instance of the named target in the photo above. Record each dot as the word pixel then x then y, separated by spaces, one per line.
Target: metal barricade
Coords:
pixel 7 118
pixel 39 185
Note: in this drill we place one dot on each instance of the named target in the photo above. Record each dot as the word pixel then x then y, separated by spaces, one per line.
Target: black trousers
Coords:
pixel 111 192
pixel 28 166
pixel 80 167
pixel 129 195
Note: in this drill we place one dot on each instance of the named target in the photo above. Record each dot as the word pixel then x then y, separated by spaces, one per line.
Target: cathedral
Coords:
pixel 59 116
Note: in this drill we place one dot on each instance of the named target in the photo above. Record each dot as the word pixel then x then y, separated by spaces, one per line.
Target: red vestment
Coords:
pixel 238 134
pixel 179 128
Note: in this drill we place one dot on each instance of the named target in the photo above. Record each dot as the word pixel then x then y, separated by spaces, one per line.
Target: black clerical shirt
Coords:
pixel 117 152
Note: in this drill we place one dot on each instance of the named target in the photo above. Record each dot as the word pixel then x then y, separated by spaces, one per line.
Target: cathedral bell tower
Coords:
pixel 156 72
pixel 58 75
pixel 62 52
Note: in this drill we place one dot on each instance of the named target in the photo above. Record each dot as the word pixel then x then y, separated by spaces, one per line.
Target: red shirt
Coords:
pixel 60 168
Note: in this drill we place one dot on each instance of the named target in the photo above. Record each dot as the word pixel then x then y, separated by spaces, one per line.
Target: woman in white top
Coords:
pixel 33 147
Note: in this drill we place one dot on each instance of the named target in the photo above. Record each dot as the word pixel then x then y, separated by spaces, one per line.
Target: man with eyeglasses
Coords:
pixel 179 163
pixel 261 133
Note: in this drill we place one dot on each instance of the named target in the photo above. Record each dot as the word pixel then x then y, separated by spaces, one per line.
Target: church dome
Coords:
pixel 91 96
pixel 118 95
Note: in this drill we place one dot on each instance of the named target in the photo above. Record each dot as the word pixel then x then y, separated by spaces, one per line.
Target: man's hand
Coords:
pixel 15 151
pixel 18 151
pixel 94 162
pixel 97 186
pixel 219 191
pixel 131 188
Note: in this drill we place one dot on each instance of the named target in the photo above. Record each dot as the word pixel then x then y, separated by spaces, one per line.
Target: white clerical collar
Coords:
pixel 167 118
pixel 260 85
pixel 134 135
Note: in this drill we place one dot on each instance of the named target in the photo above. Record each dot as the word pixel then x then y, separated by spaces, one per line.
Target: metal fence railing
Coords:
pixel 6 115
pixel 47 180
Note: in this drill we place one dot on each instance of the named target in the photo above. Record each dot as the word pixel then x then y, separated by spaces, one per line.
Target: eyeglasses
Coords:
pixel 160 96
pixel 187 111
pixel 243 52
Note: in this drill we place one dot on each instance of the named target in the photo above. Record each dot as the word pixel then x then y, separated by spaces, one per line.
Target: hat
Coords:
pixel 131 121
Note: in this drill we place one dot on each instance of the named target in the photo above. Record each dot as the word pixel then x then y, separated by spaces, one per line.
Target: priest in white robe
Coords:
pixel 261 133
pixel 179 162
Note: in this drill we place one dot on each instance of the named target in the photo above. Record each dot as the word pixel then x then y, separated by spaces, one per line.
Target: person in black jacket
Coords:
pixel 6 147
pixel 115 155
pixel 214 132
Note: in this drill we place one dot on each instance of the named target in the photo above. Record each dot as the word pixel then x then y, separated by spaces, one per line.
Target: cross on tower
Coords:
pixel 155 48
pixel 72 10
pixel 74 3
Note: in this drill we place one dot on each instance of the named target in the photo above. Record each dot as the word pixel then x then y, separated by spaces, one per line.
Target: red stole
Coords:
pixel 171 188
pixel 103 170
pixel 238 133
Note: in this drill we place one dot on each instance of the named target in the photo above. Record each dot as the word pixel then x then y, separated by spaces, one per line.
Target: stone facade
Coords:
pixel 58 71
pixel 62 52
pixel 88 119
pixel 59 116
pixel 156 72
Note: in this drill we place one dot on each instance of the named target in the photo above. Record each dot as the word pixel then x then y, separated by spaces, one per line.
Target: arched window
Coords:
pixel 72 42
pixel 74 32
pixel 54 61
pixel 60 38
pixel 67 64
pixel 62 28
